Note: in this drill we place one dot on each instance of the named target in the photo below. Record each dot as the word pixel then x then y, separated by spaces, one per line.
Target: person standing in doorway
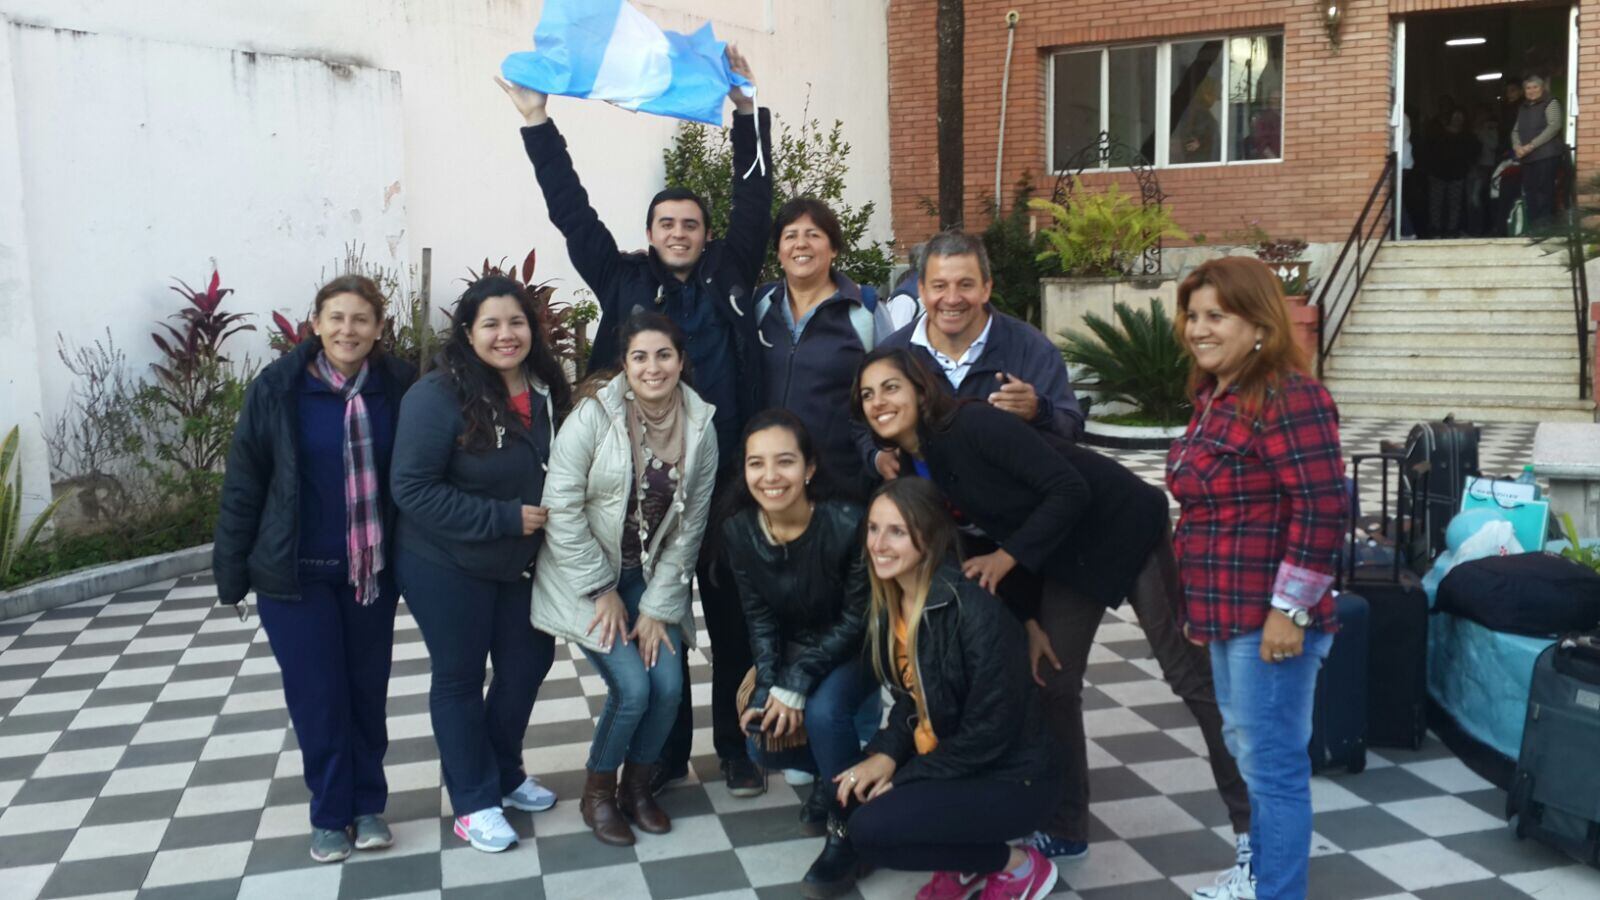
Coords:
pixel 706 287
pixel 1536 142
pixel 308 523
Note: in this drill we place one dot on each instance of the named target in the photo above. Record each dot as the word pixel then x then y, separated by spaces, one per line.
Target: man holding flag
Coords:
pixel 704 285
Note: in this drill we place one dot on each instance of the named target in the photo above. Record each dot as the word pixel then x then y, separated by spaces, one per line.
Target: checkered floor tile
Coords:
pixel 145 750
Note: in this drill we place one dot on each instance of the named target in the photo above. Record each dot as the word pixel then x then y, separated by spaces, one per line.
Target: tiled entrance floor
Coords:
pixel 145 751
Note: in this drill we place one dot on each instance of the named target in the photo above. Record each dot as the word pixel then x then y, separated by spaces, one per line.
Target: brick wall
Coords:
pixel 1336 105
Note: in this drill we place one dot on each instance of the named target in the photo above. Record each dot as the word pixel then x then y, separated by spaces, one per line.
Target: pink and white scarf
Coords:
pixel 363 512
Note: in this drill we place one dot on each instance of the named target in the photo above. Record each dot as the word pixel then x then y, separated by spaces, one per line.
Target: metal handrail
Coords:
pixel 1576 258
pixel 1368 229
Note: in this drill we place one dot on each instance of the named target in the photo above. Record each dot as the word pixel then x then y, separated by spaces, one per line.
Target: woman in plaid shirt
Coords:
pixel 1260 480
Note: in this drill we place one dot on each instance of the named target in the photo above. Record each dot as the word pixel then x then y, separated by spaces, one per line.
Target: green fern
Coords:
pixel 1136 361
pixel 1102 233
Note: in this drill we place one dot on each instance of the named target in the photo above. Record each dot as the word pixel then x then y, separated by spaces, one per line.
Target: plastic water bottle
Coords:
pixel 1527 478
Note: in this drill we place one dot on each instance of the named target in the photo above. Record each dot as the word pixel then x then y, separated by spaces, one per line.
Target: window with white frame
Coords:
pixel 1207 101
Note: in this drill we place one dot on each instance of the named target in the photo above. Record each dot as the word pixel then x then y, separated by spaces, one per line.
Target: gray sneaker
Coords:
pixel 372 833
pixel 328 845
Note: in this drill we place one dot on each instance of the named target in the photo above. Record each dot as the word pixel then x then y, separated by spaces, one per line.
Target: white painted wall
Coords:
pixel 119 120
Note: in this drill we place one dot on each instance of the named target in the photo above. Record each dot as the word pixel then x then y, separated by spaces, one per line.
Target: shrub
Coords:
pixel 807 163
pixel 1139 363
pixel 1102 233
pixel 11 507
pixel 1014 256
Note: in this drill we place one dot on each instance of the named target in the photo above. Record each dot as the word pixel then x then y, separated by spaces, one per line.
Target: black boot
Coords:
pixel 814 812
pixel 835 870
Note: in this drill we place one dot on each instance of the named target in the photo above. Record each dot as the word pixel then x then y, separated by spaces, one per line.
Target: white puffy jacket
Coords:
pixel 587 490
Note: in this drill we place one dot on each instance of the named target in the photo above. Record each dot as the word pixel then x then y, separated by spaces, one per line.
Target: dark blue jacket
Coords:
pixel 463 508
pixel 257 540
pixel 622 282
pixel 812 378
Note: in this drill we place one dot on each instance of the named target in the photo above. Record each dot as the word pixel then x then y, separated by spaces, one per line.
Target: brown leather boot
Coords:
pixel 636 801
pixel 599 810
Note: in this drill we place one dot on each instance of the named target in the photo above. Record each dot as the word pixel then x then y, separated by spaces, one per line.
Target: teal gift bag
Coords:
pixel 1528 517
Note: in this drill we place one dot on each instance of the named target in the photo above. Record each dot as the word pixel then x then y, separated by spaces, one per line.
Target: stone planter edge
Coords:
pixel 97 581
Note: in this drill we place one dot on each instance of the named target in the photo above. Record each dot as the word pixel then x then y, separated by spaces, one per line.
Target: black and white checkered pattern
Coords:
pixel 145 750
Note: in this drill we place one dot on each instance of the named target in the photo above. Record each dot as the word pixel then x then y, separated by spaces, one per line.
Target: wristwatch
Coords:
pixel 1296 614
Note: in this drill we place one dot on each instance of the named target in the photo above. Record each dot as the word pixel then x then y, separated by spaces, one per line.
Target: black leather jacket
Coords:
pixel 805 602
pixel 972 656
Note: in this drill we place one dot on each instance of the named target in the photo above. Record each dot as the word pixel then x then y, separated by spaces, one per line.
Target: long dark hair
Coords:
pixel 935 407
pixel 480 389
pixel 638 322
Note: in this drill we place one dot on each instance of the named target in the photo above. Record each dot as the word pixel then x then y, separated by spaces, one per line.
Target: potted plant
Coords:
pixel 1138 375
pixel 1093 245
pixel 1283 256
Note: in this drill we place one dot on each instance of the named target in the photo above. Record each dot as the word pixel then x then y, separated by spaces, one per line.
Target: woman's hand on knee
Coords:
pixel 651 633
pixel 866 780
pixel 611 617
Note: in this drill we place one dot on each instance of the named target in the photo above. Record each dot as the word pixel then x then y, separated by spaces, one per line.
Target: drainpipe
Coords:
pixel 1594 359
pixel 1012 18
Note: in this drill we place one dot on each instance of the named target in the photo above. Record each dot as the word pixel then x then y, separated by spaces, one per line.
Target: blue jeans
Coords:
pixel 641 703
pixel 1266 723
pixel 466 622
pixel 832 736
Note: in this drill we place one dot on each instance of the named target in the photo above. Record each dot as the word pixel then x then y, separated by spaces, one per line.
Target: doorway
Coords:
pixel 1459 76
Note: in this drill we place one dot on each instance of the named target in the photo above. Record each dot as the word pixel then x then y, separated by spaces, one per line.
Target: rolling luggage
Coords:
pixel 1450 450
pixel 1555 794
pixel 1397 644
pixel 1339 713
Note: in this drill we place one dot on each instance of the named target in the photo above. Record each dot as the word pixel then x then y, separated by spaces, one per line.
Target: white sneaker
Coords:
pixel 488 830
pixel 1235 884
pixel 797 778
pixel 530 796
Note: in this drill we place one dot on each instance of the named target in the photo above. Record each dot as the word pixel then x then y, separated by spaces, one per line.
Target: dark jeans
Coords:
pixel 335 655
pixel 832 737
pixel 465 621
pixel 641 703
pixel 730 660
pixel 961 825
pixel 1071 620
pixel 1539 191
pixel 1446 205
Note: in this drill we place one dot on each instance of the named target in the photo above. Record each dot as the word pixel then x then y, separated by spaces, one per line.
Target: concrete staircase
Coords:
pixel 1480 328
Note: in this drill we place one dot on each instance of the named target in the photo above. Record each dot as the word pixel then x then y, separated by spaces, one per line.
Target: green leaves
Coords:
pixel 806 163
pixel 11 507
pixel 1102 233
pixel 1137 361
pixel 1577 552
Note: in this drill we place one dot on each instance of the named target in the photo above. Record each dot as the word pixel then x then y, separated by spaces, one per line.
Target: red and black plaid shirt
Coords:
pixel 1262 508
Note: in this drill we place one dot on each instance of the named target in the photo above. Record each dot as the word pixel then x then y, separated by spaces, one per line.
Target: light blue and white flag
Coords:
pixel 608 50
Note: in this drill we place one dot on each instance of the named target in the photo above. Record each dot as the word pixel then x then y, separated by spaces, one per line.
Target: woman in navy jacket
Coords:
pixel 468 476
pixel 307 523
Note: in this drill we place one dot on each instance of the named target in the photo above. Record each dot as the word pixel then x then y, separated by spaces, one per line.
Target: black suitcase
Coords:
pixel 1339 714
pixel 1397 645
pixel 1555 794
pixel 1450 450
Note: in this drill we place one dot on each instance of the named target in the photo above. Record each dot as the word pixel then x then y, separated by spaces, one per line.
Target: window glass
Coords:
pixel 1196 135
pixel 1077 105
pixel 1255 96
pixel 1132 104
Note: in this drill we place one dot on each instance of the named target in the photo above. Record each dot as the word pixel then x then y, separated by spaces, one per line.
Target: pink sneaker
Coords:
pixel 1040 879
pixel 948 886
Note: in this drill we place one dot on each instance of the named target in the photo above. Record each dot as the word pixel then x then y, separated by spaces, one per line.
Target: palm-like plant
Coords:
pixel 11 507
pixel 1137 361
